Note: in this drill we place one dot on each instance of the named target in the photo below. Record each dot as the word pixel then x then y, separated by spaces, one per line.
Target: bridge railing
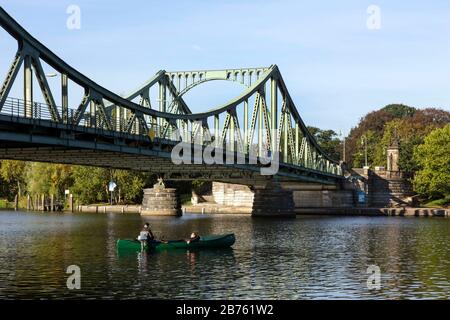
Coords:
pixel 35 110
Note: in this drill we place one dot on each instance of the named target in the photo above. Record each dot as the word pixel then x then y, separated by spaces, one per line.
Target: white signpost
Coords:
pixel 111 186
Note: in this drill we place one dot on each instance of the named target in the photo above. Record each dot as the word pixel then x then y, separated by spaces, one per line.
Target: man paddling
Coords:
pixel 145 236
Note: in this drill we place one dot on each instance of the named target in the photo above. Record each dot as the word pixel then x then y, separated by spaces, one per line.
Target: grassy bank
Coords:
pixel 439 203
pixel 5 204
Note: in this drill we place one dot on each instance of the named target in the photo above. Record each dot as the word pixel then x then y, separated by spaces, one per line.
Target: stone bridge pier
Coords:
pixel 283 199
pixel 271 200
pixel 161 201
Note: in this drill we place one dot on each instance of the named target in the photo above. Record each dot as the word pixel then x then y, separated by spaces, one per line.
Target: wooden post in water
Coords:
pixel 71 202
pixel 16 202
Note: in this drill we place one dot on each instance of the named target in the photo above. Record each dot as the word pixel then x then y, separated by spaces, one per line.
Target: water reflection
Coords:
pixel 309 257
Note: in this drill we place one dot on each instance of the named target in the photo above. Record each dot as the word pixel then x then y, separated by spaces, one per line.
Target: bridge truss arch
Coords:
pixel 263 119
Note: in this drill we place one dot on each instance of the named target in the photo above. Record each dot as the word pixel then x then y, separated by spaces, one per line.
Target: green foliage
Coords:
pixel 433 158
pixel 5 204
pixel 185 199
pixel 44 178
pixel 90 184
pixel 407 161
pixel 439 203
pixel 399 110
pixel 329 141
pixel 38 178
pixel 370 138
pixel 13 174
pixel 409 125
pixel 130 185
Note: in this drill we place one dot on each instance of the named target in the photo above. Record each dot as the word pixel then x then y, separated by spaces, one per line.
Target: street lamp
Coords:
pixel 343 138
pixel 64 94
pixel 364 141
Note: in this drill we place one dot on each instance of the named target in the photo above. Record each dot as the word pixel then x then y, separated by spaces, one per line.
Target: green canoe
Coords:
pixel 212 241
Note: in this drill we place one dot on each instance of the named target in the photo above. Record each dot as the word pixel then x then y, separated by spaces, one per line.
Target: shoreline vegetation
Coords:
pixel 422 134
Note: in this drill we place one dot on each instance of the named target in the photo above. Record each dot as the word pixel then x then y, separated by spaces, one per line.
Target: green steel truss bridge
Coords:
pixel 138 132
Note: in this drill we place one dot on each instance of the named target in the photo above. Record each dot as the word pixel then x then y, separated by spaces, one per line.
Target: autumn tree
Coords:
pixel 407 124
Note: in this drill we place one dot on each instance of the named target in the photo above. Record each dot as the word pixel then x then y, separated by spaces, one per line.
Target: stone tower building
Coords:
pixel 393 154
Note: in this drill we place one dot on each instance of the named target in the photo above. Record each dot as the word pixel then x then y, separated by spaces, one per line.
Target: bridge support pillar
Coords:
pixel 161 201
pixel 273 201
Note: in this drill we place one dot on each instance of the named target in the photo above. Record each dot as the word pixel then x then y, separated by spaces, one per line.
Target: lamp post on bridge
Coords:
pixel 364 142
pixel 343 138
pixel 64 94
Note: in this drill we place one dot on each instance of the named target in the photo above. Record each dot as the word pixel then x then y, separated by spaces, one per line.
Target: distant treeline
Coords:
pixel 87 184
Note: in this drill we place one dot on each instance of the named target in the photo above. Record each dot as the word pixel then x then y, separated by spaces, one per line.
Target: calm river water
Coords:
pixel 304 258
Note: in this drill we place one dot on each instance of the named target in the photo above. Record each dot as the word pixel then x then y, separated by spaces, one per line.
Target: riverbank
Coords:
pixel 209 208
pixel 109 208
pixel 407 212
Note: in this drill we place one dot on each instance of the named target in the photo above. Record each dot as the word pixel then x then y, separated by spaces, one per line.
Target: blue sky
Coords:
pixel 336 69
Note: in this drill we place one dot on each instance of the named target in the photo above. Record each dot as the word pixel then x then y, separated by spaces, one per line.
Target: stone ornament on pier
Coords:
pixel 161 201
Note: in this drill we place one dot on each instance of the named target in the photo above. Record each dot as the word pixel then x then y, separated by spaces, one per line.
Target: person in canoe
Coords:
pixel 194 238
pixel 146 235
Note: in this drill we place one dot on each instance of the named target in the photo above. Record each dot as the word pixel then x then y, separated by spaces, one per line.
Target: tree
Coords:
pixel 329 141
pixel 411 132
pixel 370 139
pixel 433 158
pixel 374 123
pixel 13 172
pixel 46 178
pixel 399 110
pixel 410 125
pixel 130 185
pixel 90 184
